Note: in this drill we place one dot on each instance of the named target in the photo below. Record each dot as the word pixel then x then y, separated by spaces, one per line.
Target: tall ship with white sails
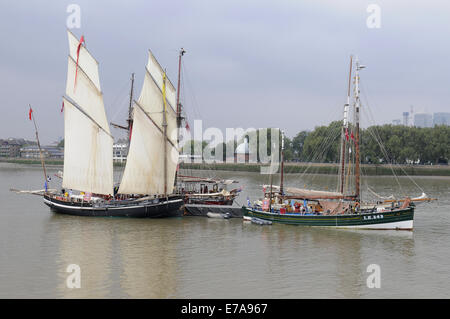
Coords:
pixel 147 185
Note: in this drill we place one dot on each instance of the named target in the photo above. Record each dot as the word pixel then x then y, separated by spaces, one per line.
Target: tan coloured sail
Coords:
pixel 309 192
pixel 301 192
pixel 145 166
pixel 88 164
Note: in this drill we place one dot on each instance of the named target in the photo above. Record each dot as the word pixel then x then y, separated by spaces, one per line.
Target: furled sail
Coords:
pixel 88 164
pixel 305 193
pixel 309 192
pixel 147 165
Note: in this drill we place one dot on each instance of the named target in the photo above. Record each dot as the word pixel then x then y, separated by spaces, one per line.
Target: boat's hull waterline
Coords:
pixel 170 207
pixel 398 219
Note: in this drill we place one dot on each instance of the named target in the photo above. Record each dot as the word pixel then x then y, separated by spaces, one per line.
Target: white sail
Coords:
pixel 86 92
pixel 144 170
pixel 157 73
pixel 151 98
pixel 85 60
pixel 146 162
pixel 88 164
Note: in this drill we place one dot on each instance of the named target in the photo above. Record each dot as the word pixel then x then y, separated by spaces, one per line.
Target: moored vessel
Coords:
pixel 343 208
pixel 146 188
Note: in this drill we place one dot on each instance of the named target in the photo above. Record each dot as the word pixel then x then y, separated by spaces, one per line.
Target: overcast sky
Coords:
pixel 248 64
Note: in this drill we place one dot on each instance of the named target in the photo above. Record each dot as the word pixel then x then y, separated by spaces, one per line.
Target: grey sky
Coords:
pixel 248 63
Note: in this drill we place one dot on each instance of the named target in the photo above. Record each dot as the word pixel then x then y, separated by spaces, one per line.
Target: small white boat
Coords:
pixel 218 215
pixel 260 221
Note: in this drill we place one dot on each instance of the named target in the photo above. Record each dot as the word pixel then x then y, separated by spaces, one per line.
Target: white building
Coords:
pixel 120 152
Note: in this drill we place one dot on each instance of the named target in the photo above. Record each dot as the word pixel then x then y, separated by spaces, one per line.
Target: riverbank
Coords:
pixel 34 161
pixel 319 168
pixel 289 168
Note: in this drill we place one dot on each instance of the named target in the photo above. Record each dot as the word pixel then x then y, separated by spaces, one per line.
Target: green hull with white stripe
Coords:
pixel 395 219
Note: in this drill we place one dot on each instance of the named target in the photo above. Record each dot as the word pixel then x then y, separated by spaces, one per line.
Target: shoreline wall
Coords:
pixel 289 168
pixel 316 168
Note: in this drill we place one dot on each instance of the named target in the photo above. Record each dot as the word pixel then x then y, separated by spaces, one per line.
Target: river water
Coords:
pixel 196 257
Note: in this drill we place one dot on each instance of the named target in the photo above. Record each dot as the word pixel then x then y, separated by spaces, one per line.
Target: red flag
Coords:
pixel 187 127
pixel 352 136
pixel 29 113
pixel 62 108
pixel 78 55
pixel 346 134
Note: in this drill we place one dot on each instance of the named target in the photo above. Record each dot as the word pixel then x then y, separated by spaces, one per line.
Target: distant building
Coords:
pixel 120 152
pixel 406 118
pixel 441 118
pixel 9 149
pixel 54 152
pixel 32 152
pixel 423 120
pixel 396 122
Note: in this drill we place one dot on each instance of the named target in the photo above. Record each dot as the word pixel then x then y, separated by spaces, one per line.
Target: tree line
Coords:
pixel 395 144
pixel 379 144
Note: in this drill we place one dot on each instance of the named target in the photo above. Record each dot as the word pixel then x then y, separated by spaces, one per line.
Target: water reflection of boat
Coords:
pixel 89 245
pixel 343 208
pixel 148 254
pixel 333 262
pixel 117 258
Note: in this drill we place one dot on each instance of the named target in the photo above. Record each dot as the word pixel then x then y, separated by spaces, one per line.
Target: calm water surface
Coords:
pixel 195 257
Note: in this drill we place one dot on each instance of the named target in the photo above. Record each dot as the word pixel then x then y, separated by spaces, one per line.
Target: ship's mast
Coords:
pixel 39 146
pixel 357 108
pixel 129 127
pixel 182 52
pixel 345 128
pixel 270 195
pixel 179 118
pixel 282 163
pixel 130 109
pixel 164 125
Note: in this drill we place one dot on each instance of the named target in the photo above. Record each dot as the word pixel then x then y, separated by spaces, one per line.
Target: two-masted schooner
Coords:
pixel 343 208
pixel 147 185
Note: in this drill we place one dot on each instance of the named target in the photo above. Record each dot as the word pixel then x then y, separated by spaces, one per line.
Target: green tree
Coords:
pixel 322 144
pixel 297 144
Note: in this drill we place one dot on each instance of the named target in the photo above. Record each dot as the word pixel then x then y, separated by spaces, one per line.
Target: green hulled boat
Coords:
pixel 344 207
pixel 400 219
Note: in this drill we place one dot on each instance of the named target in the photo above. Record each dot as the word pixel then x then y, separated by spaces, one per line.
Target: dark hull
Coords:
pixel 169 208
pixel 395 219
